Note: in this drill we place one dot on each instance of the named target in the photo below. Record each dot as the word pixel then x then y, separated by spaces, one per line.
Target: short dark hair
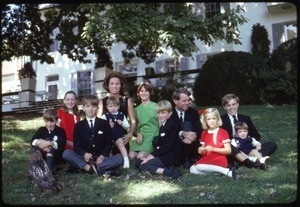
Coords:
pixel 50 115
pixel 90 99
pixel 177 92
pixel 115 74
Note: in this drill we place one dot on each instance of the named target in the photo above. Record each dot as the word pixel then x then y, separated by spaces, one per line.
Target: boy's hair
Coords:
pixel 147 85
pixel 229 97
pixel 177 92
pixel 50 115
pixel 90 99
pixel 112 100
pixel 207 111
pixel 241 125
pixel 163 105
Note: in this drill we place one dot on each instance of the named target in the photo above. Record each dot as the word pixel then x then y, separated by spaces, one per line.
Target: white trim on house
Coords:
pixel 276 24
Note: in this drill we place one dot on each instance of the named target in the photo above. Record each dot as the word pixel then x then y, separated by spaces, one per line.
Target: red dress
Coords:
pixel 67 123
pixel 214 158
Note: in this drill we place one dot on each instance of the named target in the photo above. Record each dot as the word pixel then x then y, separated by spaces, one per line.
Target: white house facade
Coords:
pixel 53 80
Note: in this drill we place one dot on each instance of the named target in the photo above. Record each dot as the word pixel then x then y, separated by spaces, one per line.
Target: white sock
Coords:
pixel 126 162
pixel 252 158
pixel 263 159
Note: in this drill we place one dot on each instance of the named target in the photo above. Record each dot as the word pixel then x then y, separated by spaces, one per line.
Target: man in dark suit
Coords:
pixel 230 103
pixel 189 126
pixel 93 142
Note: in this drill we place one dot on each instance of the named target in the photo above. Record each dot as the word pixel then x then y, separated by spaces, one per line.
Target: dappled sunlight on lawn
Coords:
pixel 150 190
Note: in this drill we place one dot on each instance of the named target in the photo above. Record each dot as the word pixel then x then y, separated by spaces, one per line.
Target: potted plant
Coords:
pixel 27 77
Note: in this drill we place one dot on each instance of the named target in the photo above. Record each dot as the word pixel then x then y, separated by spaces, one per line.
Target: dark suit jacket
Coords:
pixel 241 118
pixel 43 133
pixel 97 141
pixel 168 144
pixel 190 115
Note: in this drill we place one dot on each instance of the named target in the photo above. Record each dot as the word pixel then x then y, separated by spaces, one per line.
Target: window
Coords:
pixel 167 65
pixel 290 31
pixel 84 83
pixel 52 78
pixel 211 9
pixel 55 44
pixel 171 65
pixel 130 69
pixel 282 32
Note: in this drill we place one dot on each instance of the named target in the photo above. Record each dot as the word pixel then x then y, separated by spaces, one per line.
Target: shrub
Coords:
pixel 281 80
pixel 260 42
pixel 229 72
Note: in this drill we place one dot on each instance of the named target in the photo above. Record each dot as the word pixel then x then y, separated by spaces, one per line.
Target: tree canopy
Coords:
pixel 24 33
pixel 146 30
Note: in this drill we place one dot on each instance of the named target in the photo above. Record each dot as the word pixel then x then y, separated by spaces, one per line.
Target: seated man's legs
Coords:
pixel 189 151
pixel 268 148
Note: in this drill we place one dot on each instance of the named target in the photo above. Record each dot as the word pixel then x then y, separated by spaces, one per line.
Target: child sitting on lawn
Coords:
pixel 215 145
pixel 247 144
pixel 50 139
pixel 119 125
pixel 166 145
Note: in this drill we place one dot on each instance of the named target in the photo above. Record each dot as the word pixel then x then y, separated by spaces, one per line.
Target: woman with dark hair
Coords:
pixel 115 84
pixel 147 123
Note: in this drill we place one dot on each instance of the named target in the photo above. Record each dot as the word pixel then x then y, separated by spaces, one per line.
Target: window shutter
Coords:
pixel 201 59
pixel 278 31
pixel 74 82
pixel 159 66
pixel 184 63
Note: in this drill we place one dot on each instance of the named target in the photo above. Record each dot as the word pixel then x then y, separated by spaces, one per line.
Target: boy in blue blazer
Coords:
pixel 93 142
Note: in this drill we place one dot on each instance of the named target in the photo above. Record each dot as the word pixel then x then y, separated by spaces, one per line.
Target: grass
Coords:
pixel 277 185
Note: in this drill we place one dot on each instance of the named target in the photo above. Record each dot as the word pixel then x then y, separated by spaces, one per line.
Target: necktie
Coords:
pixel 234 119
pixel 50 131
pixel 91 124
pixel 181 119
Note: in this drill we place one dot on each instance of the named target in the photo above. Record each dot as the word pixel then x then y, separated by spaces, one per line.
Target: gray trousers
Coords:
pixel 77 161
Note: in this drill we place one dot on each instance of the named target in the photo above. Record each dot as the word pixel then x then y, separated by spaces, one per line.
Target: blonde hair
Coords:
pixel 164 105
pixel 215 112
pixel 229 97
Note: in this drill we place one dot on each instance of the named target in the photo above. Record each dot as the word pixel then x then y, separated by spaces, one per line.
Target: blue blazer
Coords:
pixel 241 118
pixel 97 141
pixel 168 145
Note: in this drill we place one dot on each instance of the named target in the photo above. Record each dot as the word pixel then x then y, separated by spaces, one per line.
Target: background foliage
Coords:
pixel 229 72
pixel 253 78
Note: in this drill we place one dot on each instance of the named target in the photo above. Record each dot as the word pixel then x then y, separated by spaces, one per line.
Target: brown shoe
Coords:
pixel 93 167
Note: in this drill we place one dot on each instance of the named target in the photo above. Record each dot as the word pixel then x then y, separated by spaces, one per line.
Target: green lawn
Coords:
pixel 276 185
